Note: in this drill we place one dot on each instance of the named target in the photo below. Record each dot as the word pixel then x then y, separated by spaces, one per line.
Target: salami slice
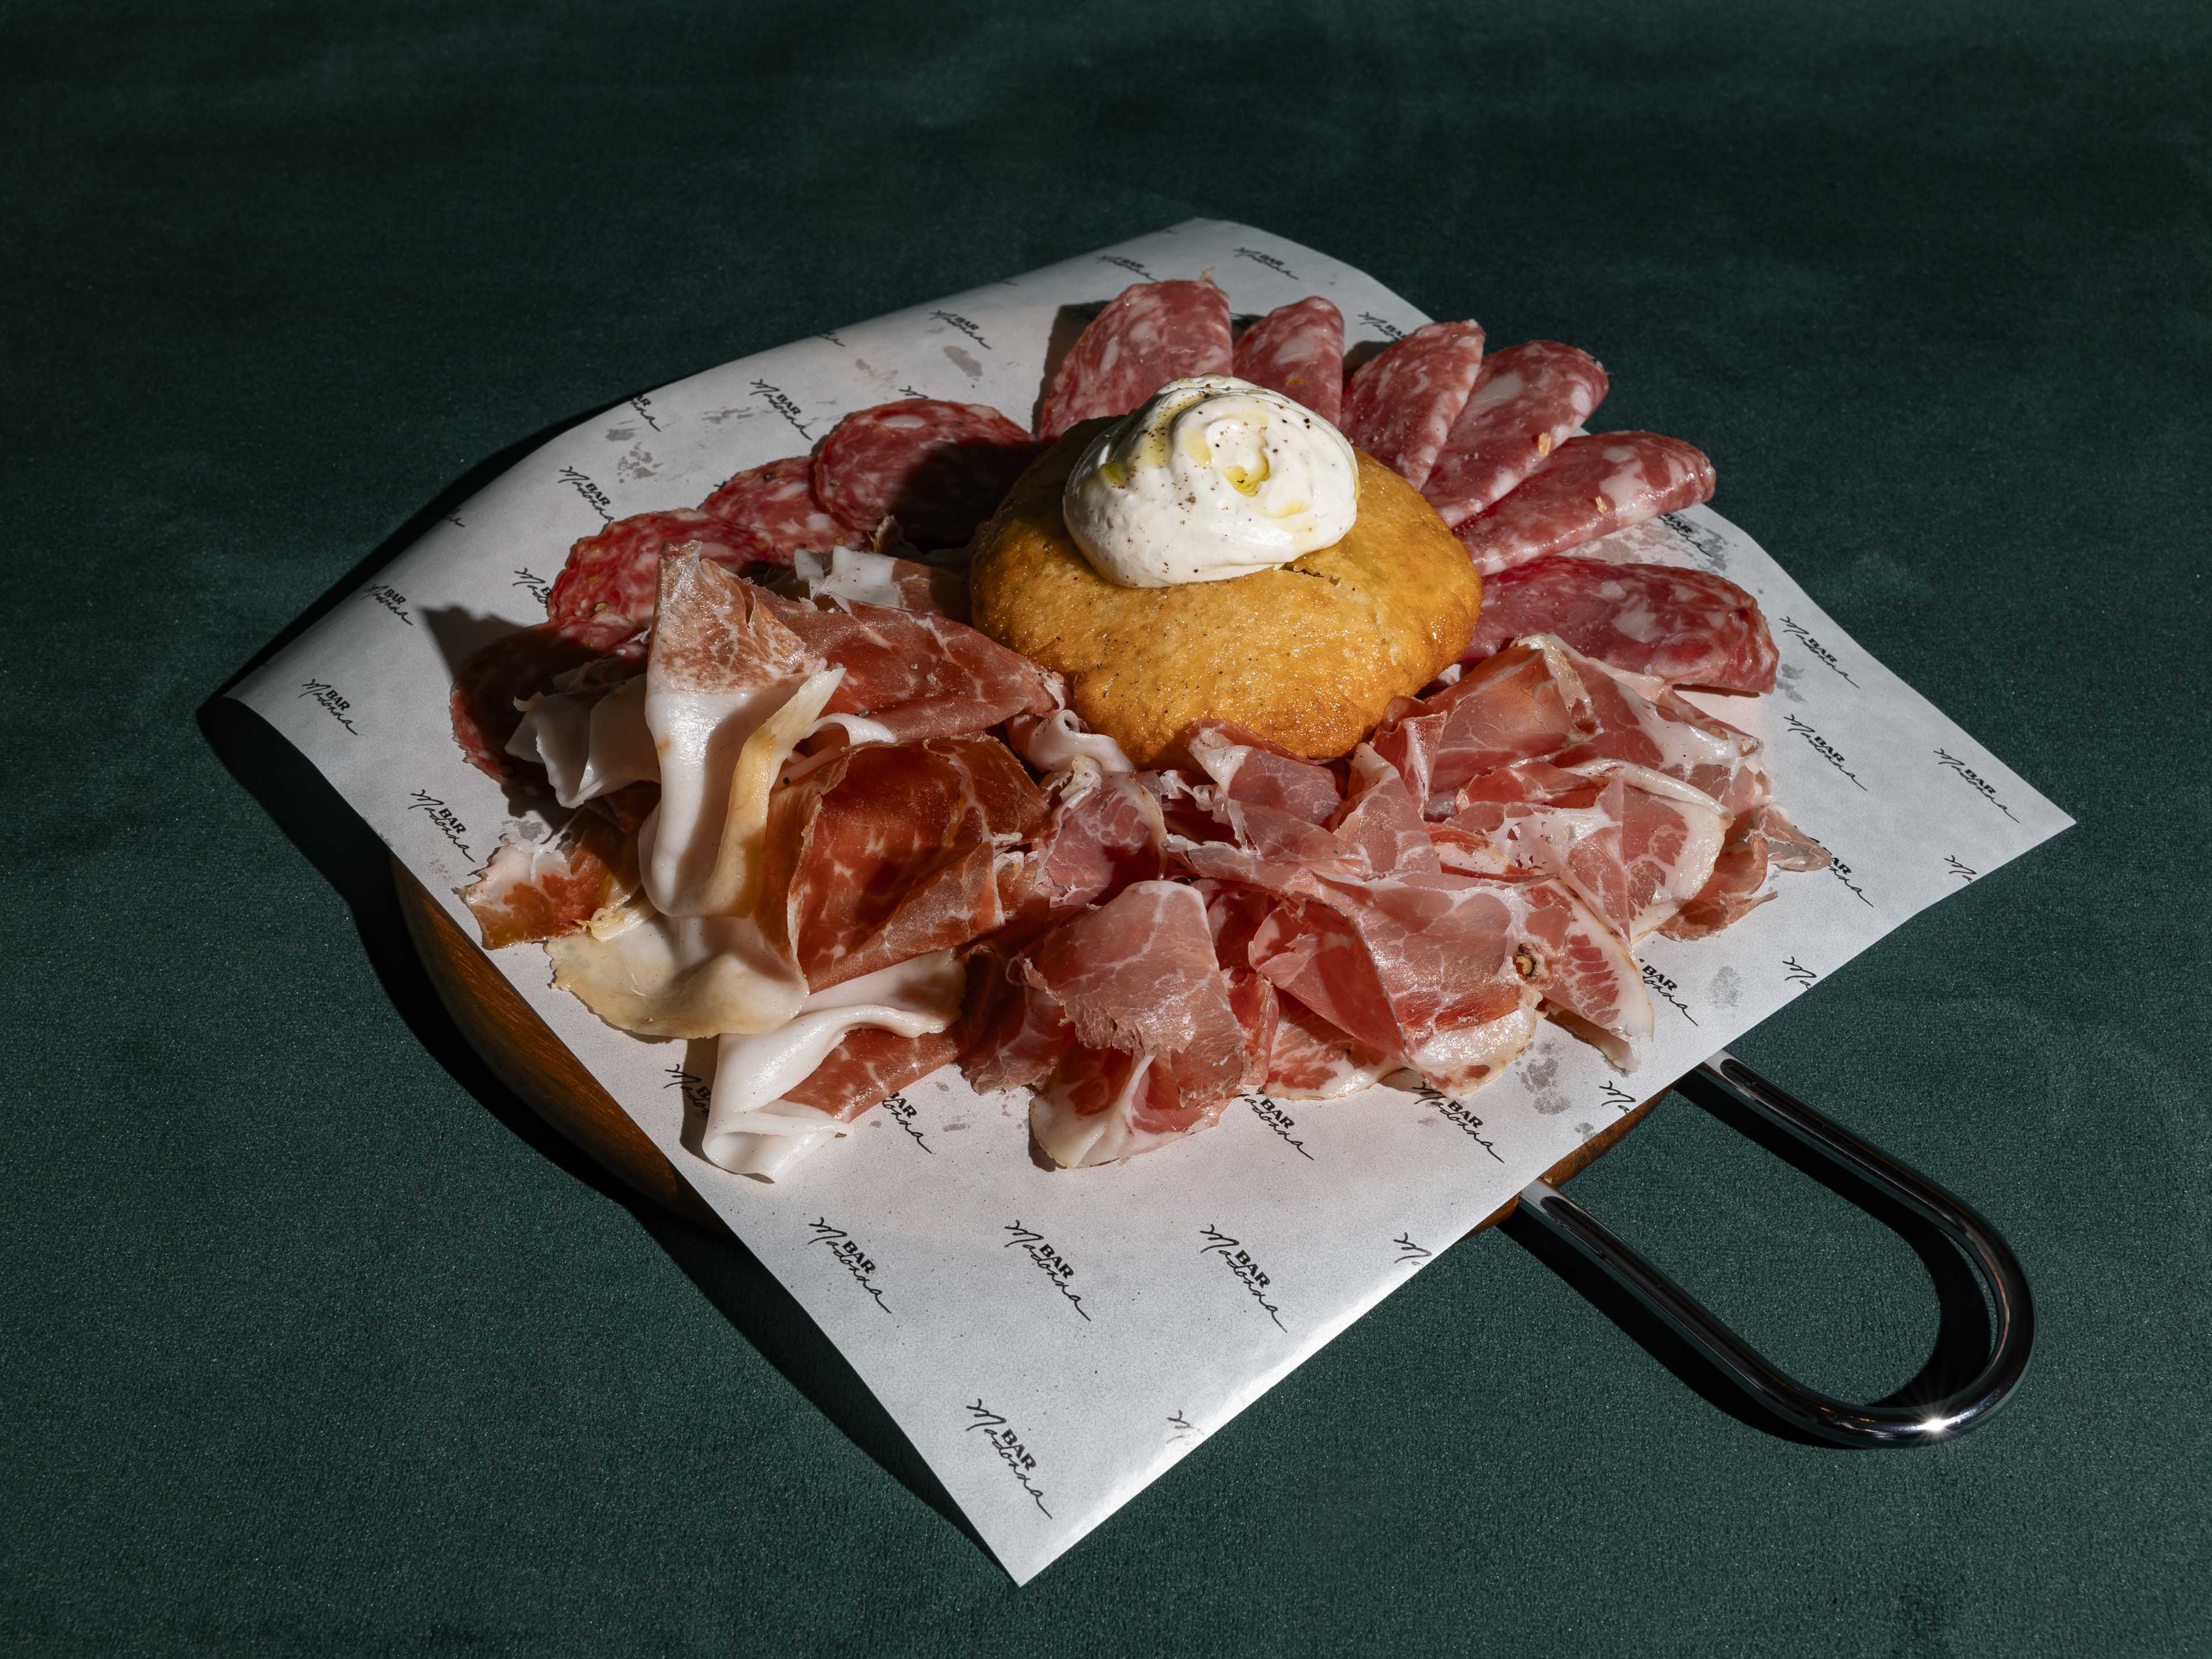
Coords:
pixel 618 571
pixel 1400 405
pixel 1298 349
pixel 1685 627
pixel 1154 332
pixel 1526 401
pixel 1589 488
pixel 939 468
pixel 775 504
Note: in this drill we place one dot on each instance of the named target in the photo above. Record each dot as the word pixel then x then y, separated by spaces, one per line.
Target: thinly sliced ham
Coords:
pixel 540 889
pixel 1381 821
pixel 1105 833
pixel 1158 1048
pixel 730 692
pixel 1527 701
pixel 1401 405
pixel 1589 488
pixel 1632 843
pixel 1250 770
pixel 518 666
pixel 1686 627
pixel 677 976
pixel 857 576
pixel 1759 840
pixel 1311 1060
pixel 763 1114
pixel 1667 733
pixel 917 675
pixel 589 743
pixel 1298 349
pixel 1525 402
pixel 617 572
pixel 891 851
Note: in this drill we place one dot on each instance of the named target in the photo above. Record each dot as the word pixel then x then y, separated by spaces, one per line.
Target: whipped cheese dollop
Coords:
pixel 1213 477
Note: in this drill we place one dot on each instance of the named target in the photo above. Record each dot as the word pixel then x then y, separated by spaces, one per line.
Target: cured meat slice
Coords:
pixel 1590 487
pixel 860 577
pixel 1298 349
pixel 1311 1060
pixel 1010 1038
pixel 1057 741
pixel 518 666
pixel 729 693
pixel 892 850
pixel 1249 769
pixel 919 676
pixel 1234 913
pixel 1526 701
pixel 1401 405
pixel 616 573
pixel 939 468
pixel 1152 333
pixel 589 743
pixel 1760 839
pixel 1589 980
pixel 1668 734
pixel 677 976
pixel 1381 821
pixel 540 889
pixel 1632 843
pixel 1159 1050
pixel 1105 833
pixel 1684 626
pixel 1526 401
pixel 869 1064
pixel 774 506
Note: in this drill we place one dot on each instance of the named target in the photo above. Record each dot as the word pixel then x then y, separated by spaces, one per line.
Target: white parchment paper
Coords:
pixel 1052 1342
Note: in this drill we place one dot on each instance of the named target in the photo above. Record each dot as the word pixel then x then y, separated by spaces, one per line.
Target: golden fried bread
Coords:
pixel 1308 655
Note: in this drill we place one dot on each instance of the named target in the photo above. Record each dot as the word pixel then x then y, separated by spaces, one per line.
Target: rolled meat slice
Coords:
pixel 1686 627
pixel 1401 404
pixel 1298 349
pixel 1526 400
pixel 1152 333
pixel 1590 487
pixel 939 468
pixel 774 505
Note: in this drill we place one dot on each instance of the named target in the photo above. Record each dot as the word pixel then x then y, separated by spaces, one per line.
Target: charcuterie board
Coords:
pixel 526 1055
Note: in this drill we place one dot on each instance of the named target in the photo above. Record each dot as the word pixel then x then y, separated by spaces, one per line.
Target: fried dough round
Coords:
pixel 1308 655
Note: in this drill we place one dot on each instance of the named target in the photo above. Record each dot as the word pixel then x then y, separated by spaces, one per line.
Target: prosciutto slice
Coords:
pixel 518 666
pixel 1684 626
pixel 1157 1048
pixel 917 675
pixel 1298 349
pixel 857 576
pixel 1668 734
pixel 939 468
pixel 1311 1060
pixel 1105 832
pixel 616 573
pixel 1632 843
pixel 1589 488
pixel 891 851
pixel 1151 333
pixel 1760 840
pixel 1527 701
pixel 540 889
pixel 774 508
pixel 1401 405
pixel 677 976
pixel 1249 769
pixel 1526 400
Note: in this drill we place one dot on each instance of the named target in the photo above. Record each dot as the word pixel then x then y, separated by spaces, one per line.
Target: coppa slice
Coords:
pixel 1152 333
pixel 1526 701
pixel 1668 734
pixel 774 505
pixel 1589 488
pixel 939 468
pixel 1685 627
pixel 1526 400
pixel 917 675
pixel 1298 349
pixel 616 573
pixel 1400 405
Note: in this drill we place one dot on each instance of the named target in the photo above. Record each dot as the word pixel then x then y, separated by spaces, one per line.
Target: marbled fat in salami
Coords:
pixel 774 505
pixel 1400 407
pixel 1590 487
pixel 1298 349
pixel 939 468
pixel 1684 626
pixel 617 571
pixel 1526 401
pixel 1154 332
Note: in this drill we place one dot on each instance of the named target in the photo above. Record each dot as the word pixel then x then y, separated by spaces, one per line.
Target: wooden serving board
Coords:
pixel 526 1055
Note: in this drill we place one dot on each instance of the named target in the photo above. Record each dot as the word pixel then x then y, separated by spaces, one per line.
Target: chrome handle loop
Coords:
pixel 1817 1413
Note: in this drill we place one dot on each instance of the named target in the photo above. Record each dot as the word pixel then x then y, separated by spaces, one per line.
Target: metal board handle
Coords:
pixel 1815 1412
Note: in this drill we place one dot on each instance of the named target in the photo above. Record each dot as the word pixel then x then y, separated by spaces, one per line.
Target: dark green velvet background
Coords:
pixel 310 1341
